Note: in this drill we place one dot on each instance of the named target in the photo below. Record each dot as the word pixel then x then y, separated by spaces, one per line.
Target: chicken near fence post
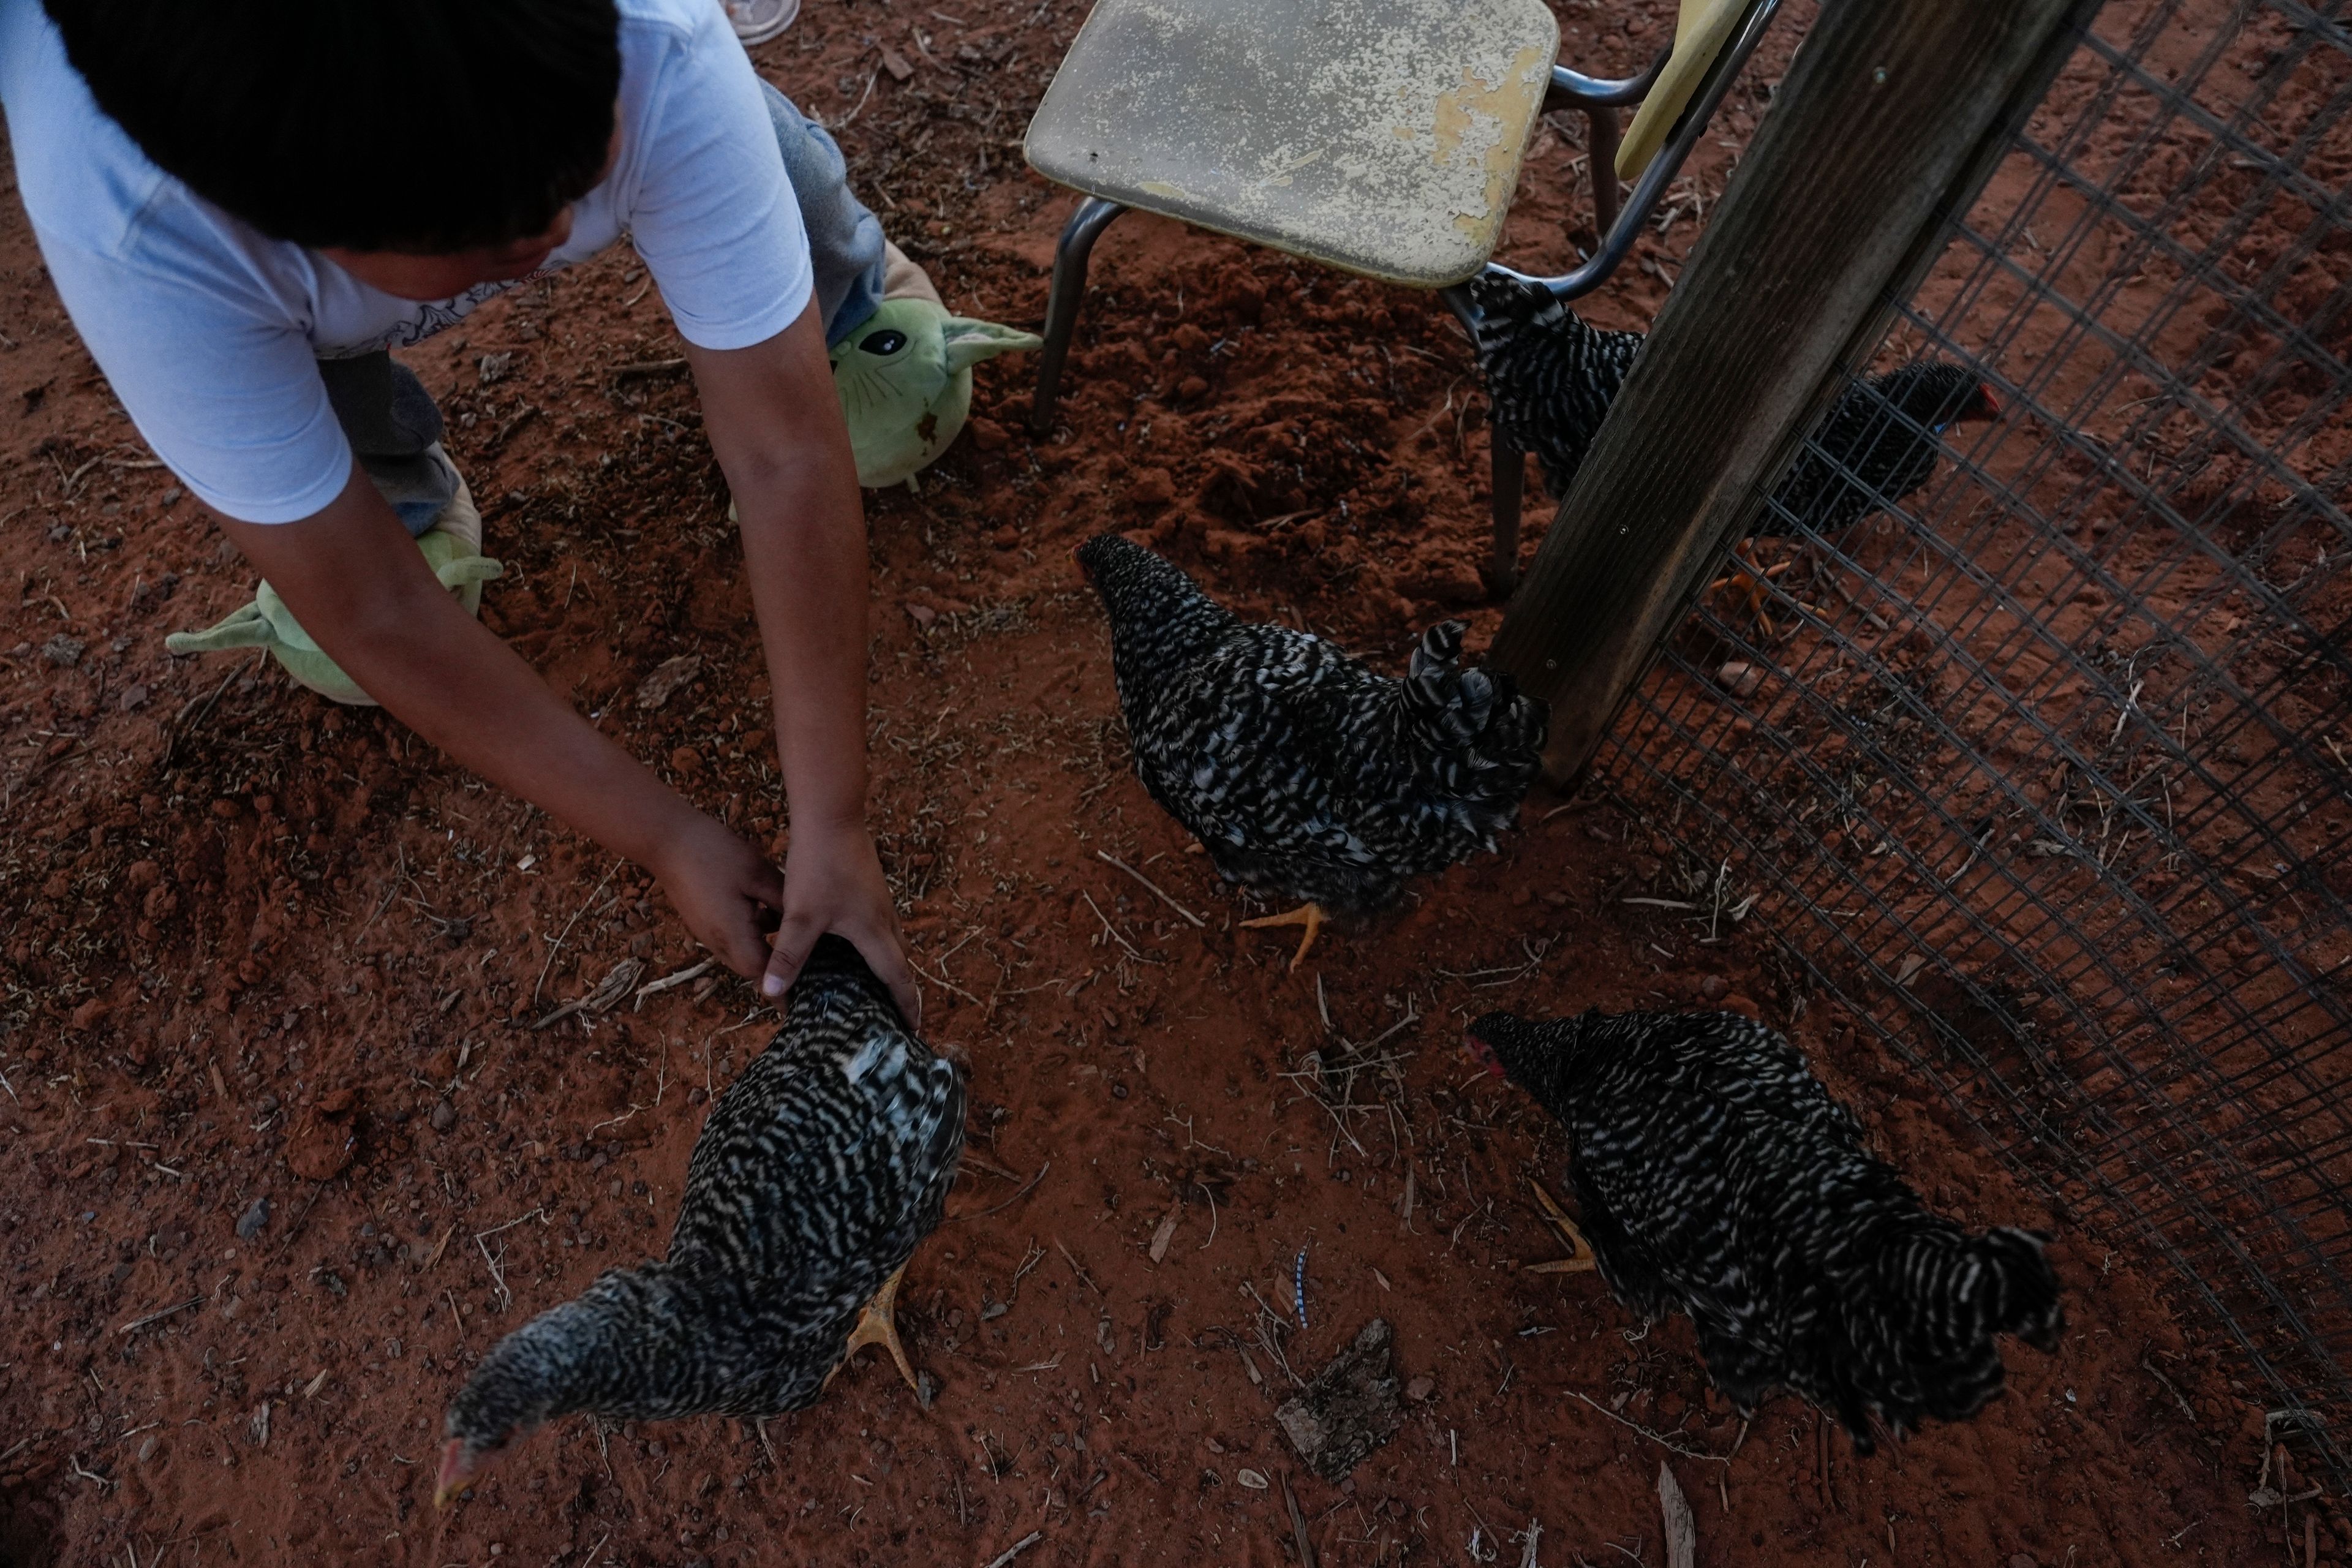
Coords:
pixel 1303 773
pixel 1551 375
pixel 816 1176
pixel 1714 1175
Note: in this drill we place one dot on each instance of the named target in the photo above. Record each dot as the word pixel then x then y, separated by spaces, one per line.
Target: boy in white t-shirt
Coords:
pixel 245 205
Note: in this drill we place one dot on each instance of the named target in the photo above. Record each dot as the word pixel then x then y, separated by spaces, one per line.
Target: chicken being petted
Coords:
pixel 1305 774
pixel 1716 1175
pixel 816 1176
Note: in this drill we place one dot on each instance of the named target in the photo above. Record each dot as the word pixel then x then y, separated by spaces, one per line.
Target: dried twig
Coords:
pixel 1079 1270
pixel 1109 859
pixel 1297 1521
pixel 1008 1202
pixel 1017 1548
pixel 655 987
pixel 159 1316
pixel 1668 1444
pixel 553 946
pixel 1108 929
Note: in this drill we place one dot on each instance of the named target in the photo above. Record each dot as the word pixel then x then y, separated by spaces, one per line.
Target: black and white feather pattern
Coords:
pixel 1716 1176
pixel 814 1178
pixel 1302 772
pixel 1550 376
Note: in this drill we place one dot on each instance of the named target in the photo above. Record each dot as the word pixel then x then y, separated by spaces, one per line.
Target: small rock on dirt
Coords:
pixel 249 1223
pixel 64 651
pixel 1715 988
pixel 134 698
pixel 443 1116
pixel 1739 677
pixel 1349 1410
pixel 662 685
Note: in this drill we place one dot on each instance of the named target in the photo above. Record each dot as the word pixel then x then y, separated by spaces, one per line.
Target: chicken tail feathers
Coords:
pixel 2017 1292
pixel 1486 736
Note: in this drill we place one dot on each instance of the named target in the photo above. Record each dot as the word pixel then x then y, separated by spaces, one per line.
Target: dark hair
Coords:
pixel 413 125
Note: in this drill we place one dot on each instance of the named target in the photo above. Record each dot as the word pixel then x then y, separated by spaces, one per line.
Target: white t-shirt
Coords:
pixel 209 331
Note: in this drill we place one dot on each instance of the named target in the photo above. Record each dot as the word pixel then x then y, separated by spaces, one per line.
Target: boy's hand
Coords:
pixel 833 882
pixel 719 885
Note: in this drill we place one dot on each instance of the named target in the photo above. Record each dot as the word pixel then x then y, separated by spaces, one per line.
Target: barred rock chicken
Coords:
pixel 1551 376
pixel 1715 1175
pixel 1302 772
pixel 815 1177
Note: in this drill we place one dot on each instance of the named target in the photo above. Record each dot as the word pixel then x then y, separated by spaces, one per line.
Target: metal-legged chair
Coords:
pixel 1382 137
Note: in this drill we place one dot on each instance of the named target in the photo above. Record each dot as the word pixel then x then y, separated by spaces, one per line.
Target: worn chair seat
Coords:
pixel 1382 137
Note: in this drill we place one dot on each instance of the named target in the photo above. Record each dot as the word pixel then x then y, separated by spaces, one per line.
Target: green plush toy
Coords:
pixel 904 381
pixel 268 622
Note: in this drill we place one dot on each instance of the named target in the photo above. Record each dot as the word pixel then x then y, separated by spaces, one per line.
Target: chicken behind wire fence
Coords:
pixel 1551 376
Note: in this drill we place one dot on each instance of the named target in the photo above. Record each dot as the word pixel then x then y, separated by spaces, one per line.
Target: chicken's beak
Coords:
pixel 457 1473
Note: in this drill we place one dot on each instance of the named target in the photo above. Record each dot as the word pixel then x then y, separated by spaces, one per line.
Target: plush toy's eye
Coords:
pixel 885 342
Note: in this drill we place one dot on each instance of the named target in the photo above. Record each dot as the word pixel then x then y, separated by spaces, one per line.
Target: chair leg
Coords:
pixel 1509 472
pixel 1069 291
pixel 1600 155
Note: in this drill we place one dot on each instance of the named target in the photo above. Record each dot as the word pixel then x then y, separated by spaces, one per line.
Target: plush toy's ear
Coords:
pixel 970 341
pixel 246 627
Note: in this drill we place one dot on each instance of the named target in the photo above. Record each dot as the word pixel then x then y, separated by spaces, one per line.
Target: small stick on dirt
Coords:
pixel 1079 1270
pixel 984 1164
pixel 497 1275
pixel 553 947
pixel 183 724
pixel 1017 1548
pixel 1008 1202
pixel 1668 1444
pixel 457 1318
pixel 943 980
pixel 655 987
pixel 1109 859
pixel 2149 1367
pixel 1682 1530
pixel 1297 1521
pixel 159 1316
pixel 1106 926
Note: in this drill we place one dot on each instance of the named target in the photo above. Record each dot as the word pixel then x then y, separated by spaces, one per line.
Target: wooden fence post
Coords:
pixel 1891 118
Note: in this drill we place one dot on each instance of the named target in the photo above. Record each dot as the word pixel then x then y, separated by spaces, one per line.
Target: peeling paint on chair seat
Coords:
pixel 1384 137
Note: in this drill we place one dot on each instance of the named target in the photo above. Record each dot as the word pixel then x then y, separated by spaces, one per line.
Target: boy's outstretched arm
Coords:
pixel 356 581
pixel 774 421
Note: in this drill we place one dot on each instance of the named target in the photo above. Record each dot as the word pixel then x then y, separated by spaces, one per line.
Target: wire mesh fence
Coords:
pixel 2045 769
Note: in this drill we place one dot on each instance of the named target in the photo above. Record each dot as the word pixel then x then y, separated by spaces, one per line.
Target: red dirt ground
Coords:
pixel 254 948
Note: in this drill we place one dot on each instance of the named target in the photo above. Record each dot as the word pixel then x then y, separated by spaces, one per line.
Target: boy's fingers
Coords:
pixel 765 884
pixel 794 939
pixel 888 961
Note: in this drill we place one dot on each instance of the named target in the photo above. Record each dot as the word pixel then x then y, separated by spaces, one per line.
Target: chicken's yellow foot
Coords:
pixel 1583 1260
pixel 1749 580
pixel 877 1325
pixel 1308 915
